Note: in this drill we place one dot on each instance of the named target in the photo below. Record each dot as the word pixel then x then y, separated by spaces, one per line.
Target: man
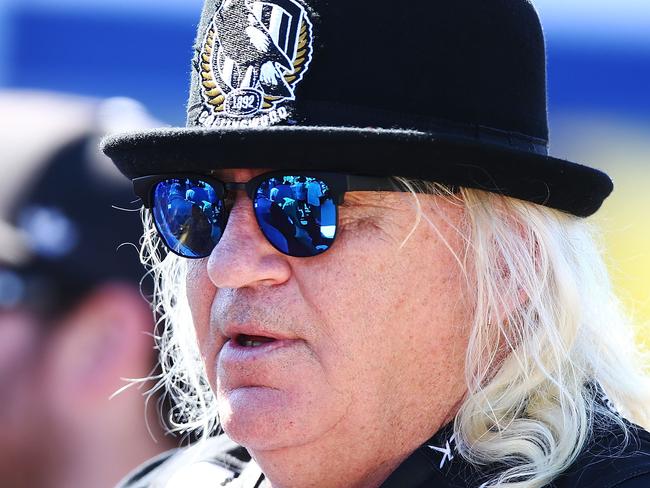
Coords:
pixel 454 328
pixel 73 323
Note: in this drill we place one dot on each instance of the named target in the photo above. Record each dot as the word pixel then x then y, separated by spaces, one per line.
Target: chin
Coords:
pixel 263 419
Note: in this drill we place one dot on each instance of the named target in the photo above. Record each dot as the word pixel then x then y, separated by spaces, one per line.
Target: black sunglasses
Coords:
pixel 297 211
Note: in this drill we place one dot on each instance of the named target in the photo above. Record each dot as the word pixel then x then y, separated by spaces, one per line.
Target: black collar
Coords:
pixel 432 464
pixel 608 458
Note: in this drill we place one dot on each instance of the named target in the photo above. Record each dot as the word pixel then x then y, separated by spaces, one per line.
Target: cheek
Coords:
pixel 200 296
pixel 432 323
pixel 382 287
pixel 388 312
pixel 358 296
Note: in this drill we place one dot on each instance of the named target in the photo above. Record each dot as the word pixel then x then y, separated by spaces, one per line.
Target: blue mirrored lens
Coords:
pixel 189 216
pixel 297 214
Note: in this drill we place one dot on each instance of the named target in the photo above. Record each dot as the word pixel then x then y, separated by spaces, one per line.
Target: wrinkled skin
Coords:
pixel 374 334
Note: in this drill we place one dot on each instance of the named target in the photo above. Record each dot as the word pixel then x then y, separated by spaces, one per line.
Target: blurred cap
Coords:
pixel 68 219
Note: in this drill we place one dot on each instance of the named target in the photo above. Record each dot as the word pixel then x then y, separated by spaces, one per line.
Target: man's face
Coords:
pixel 370 337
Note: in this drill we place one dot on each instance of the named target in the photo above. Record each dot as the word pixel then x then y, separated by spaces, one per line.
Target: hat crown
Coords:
pixel 462 64
pixel 451 91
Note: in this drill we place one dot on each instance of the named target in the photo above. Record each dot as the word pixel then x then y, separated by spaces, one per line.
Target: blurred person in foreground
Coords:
pixel 73 322
pixel 447 321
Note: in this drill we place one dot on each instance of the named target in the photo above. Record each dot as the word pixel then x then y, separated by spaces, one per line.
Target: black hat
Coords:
pixel 448 91
pixel 63 225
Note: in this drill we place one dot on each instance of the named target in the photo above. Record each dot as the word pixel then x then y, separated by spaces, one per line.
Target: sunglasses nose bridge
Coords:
pixel 242 223
pixel 234 187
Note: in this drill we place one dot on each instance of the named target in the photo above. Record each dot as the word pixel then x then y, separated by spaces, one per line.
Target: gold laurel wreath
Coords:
pixel 214 94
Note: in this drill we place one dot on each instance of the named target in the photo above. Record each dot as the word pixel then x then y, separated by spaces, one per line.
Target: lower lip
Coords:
pixel 232 352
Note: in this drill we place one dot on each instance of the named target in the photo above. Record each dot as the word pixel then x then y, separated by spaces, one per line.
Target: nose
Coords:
pixel 244 258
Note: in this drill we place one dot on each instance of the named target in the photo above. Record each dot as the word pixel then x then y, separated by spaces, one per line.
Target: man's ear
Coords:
pixel 106 338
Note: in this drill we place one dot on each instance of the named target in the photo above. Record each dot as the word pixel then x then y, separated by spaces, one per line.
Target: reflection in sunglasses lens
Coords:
pixel 297 214
pixel 189 216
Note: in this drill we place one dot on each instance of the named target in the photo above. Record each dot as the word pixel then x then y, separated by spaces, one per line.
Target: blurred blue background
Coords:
pixel 104 48
pixel 599 87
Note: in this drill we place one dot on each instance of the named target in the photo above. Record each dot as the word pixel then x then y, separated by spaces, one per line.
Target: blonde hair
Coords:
pixel 547 337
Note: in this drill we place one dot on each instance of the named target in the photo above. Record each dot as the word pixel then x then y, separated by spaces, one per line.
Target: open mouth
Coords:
pixel 252 341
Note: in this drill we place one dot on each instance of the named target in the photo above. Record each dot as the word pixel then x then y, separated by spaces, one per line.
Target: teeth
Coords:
pixel 250 343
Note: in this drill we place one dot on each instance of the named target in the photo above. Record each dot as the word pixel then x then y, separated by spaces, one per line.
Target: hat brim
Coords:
pixel 556 183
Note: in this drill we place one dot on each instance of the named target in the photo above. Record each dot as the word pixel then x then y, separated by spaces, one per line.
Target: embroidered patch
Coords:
pixel 254 54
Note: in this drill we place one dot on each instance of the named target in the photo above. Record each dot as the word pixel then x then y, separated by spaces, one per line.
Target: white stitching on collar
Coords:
pixel 447 451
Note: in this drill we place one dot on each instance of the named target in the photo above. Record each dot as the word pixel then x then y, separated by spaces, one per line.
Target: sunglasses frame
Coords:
pixel 338 184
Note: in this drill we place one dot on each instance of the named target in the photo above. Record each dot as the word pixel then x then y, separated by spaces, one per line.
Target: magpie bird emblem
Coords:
pixel 254 54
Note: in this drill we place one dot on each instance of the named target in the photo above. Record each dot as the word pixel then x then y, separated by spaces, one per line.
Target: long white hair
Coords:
pixel 548 336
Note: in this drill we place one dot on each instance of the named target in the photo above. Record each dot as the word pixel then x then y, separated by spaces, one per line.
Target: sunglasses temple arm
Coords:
pixel 371 183
pixel 142 188
pixel 386 183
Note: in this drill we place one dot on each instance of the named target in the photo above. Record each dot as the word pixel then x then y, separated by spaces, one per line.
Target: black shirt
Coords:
pixel 606 462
